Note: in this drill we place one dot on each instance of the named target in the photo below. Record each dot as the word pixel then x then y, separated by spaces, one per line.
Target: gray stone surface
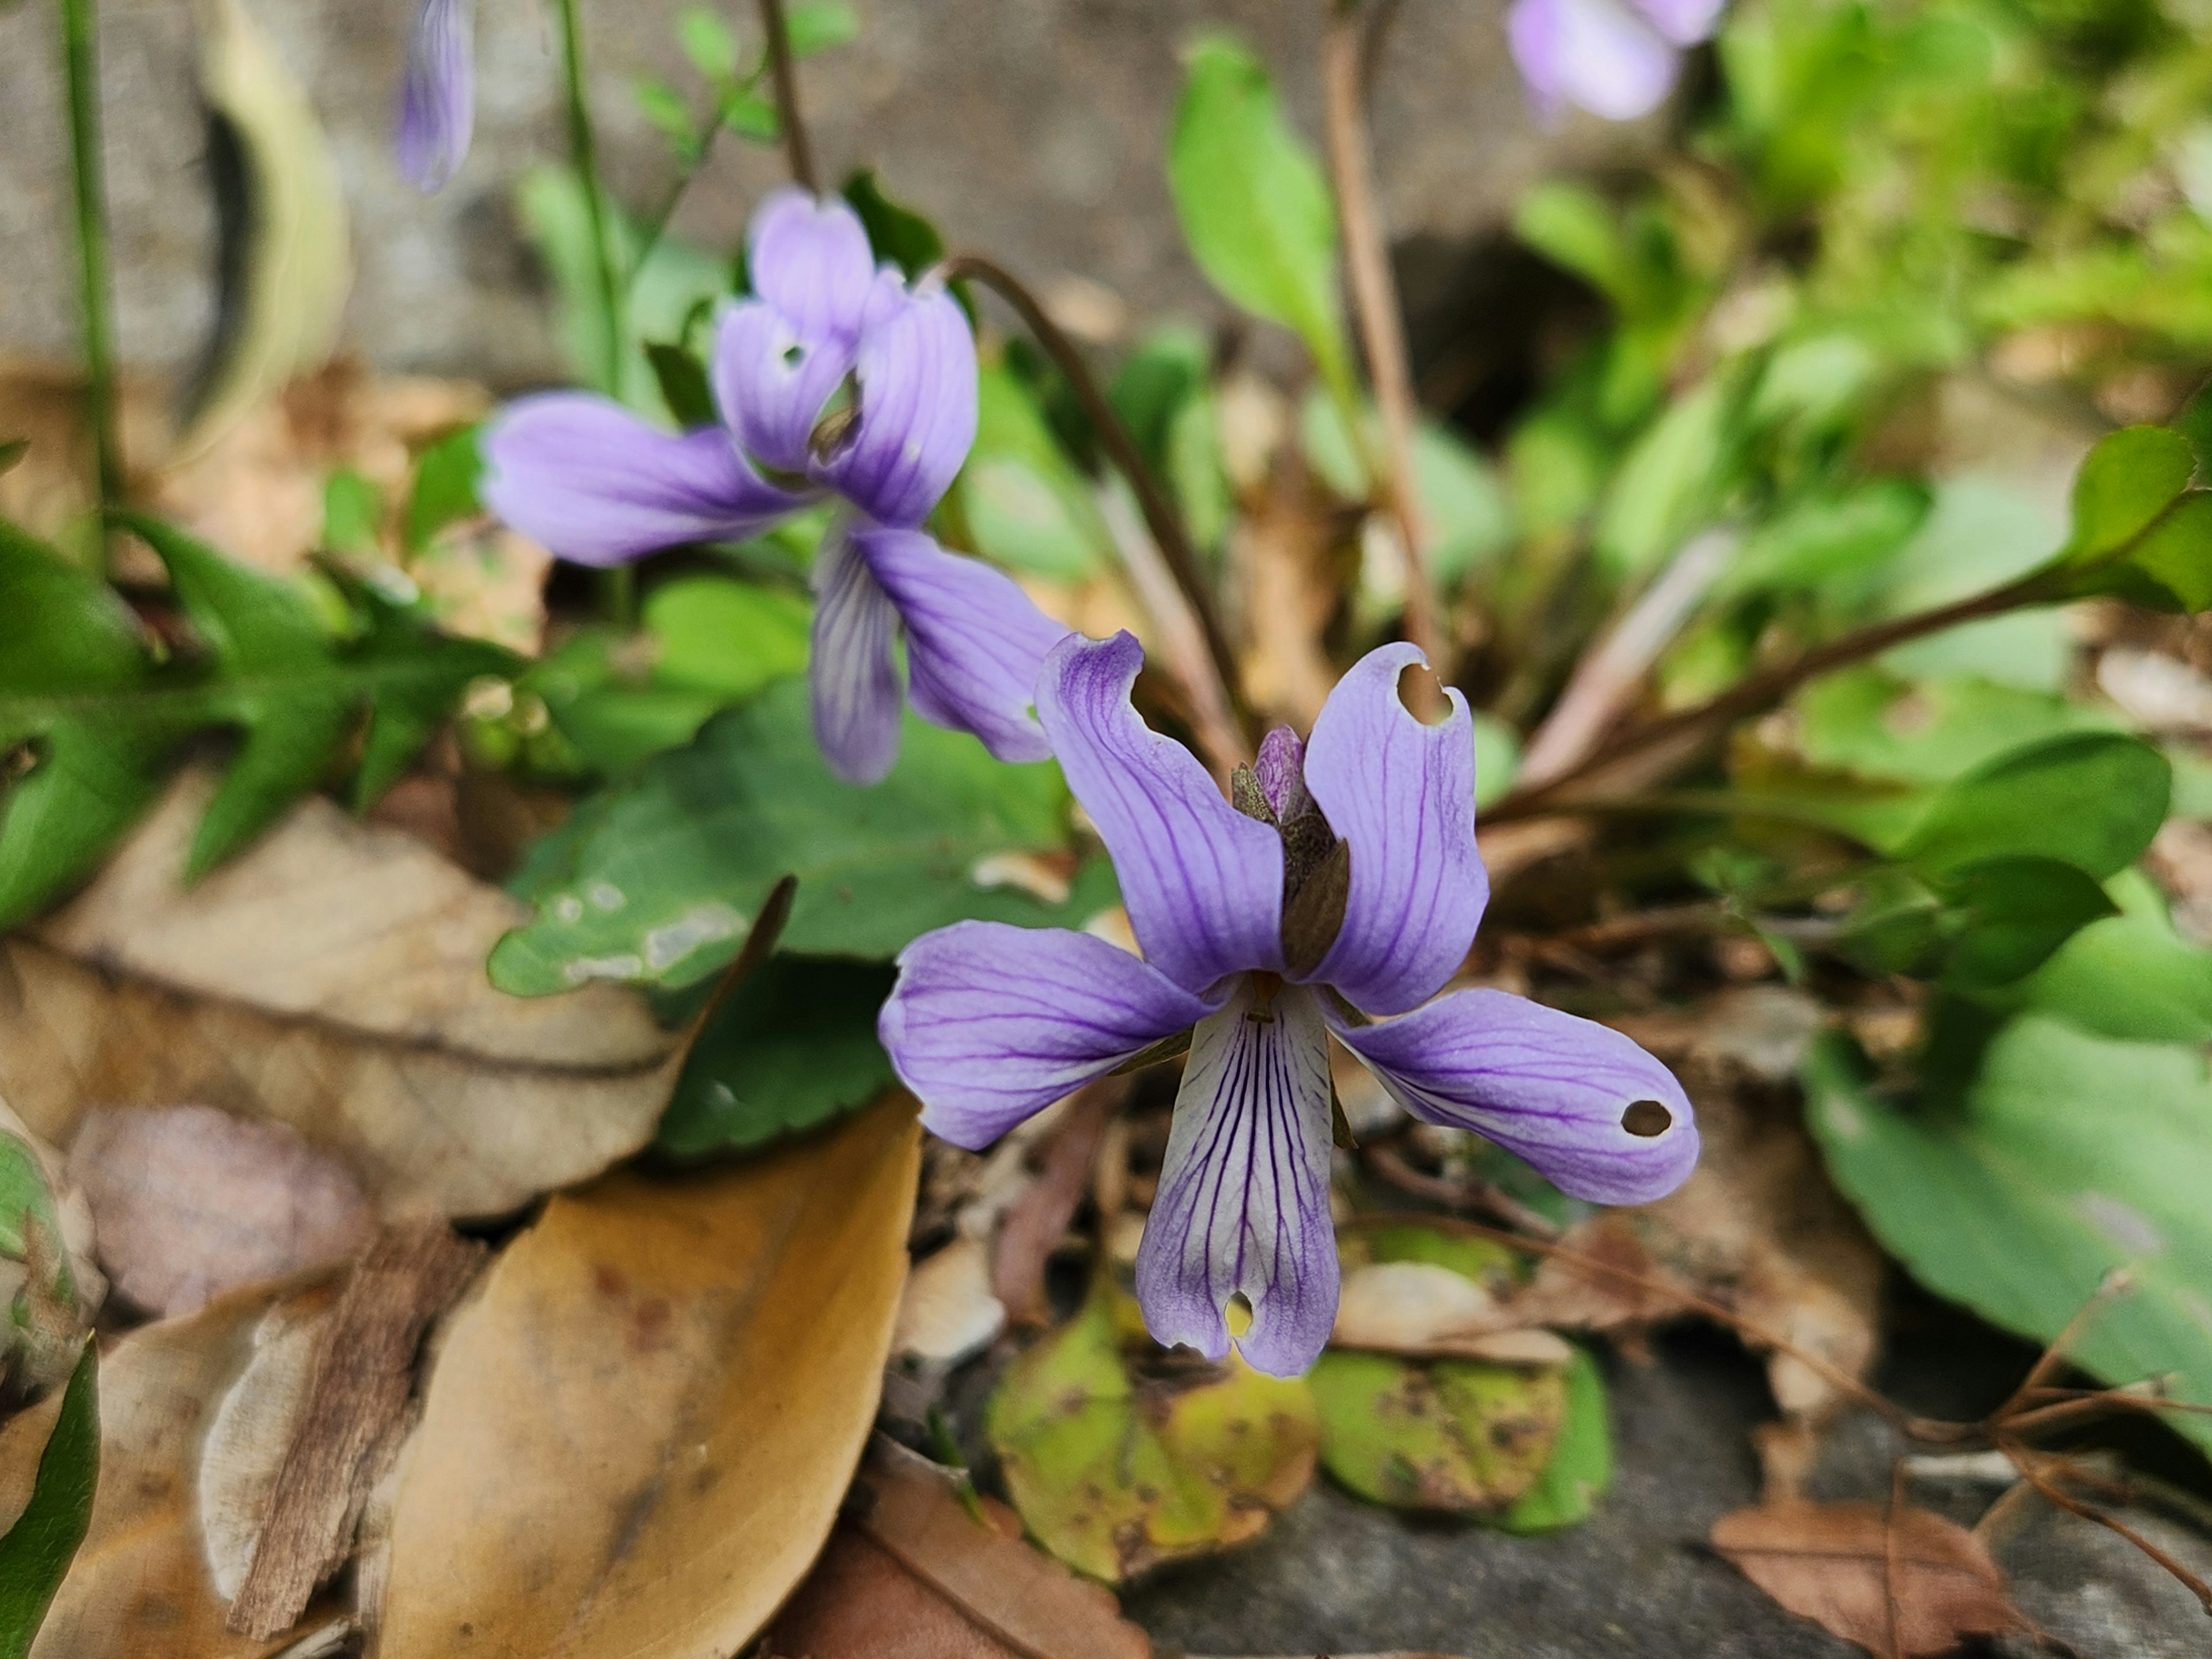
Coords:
pixel 1032 129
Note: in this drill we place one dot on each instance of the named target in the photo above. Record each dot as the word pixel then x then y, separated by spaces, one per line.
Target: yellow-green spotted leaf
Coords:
pixel 1448 1434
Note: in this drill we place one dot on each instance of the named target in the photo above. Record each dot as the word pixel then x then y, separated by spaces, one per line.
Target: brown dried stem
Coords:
pixel 785 73
pixel 1375 308
pixel 1160 516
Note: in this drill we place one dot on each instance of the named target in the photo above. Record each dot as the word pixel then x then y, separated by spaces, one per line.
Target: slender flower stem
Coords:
pixel 788 120
pixel 80 59
pixel 1160 516
pixel 1762 691
pixel 617 587
pixel 1375 305
pixel 583 155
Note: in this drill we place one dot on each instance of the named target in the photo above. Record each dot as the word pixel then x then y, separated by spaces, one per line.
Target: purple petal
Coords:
pixel 1202 883
pixel 1550 1088
pixel 1401 793
pixel 437 100
pixel 1685 22
pixel 771 383
pixel 989 1023
pixel 598 486
pixel 916 368
pixel 1280 769
pixel 854 680
pixel 1243 1199
pixel 809 260
pixel 1593 53
pixel 975 641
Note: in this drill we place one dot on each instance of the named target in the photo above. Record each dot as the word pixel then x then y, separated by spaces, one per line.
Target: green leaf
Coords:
pixel 1254 208
pixel 708 43
pixel 683 380
pixel 1869 721
pixel 36 1552
pixel 1463 508
pixel 895 232
pixel 748 114
pixel 1827 539
pixel 1025 504
pixel 669 113
pixel 76 684
pixel 815 26
pixel 1581 1468
pixel 446 476
pixel 1669 483
pixel 662 883
pixel 2091 800
pixel 2069 1157
pixel 793 1048
pixel 1115 1473
pixel 2125 483
pixel 2010 914
pixel 1576 229
pixel 2175 557
pixel 1496 758
pixel 2130 976
pixel 353 513
pixel 711 634
pixel 1453 1435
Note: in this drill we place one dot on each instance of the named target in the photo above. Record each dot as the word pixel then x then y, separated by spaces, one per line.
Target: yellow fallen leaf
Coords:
pixel 638 1434
pixel 331 978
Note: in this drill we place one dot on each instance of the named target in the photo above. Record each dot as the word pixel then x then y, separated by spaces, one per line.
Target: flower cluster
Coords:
pixel 1343 884
pixel 1328 900
pixel 835 380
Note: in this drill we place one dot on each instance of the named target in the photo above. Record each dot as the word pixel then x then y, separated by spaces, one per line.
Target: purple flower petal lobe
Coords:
pixel 598 486
pixel 1400 793
pixel 975 641
pixel 1590 1109
pixel 808 257
pixel 1685 22
pixel 437 100
pixel 1243 1199
pixel 916 371
pixel 1202 883
pixel 990 1023
pixel 1596 54
pixel 849 667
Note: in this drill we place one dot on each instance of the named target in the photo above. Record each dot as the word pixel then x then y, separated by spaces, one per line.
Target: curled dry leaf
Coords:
pixel 1425 1308
pixel 332 978
pixel 143 1583
pixel 948 1311
pixel 638 1430
pixel 910 1574
pixel 190 1202
pixel 1907 1583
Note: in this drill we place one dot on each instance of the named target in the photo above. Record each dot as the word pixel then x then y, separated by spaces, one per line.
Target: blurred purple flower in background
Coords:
pixel 1344 883
pixel 1617 58
pixel 834 380
pixel 438 103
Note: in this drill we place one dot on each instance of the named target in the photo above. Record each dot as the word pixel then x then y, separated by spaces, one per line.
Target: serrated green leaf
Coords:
pixel 793 1048
pixel 1254 209
pixel 445 492
pixel 2069 1157
pixel 683 381
pixel 666 879
pixel 2090 800
pixel 36 1552
pixel 895 232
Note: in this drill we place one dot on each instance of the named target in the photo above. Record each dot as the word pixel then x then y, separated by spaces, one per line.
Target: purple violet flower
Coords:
pixel 438 102
pixel 1343 883
pixel 834 380
pixel 1617 58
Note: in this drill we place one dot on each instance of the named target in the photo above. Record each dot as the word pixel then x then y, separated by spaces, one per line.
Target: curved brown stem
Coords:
pixel 786 74
pixel 1376 309
pixel 1160 516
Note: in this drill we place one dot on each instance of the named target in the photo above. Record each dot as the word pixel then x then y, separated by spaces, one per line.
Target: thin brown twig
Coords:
pixel 1464 1193
pixel 2113 1284
pixel 785 73
pixel 1160 516
pixel 1375 308
pixel 2025 1461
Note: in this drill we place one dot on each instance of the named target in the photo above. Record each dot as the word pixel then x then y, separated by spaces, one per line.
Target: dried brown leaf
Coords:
pixel 948 1311
pixel 1910 1583
pixel 331 978
pixel 189 1202
pixel 1420 1308
pixel 1037 1219
pixel 912 1575
pixel 638 1430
